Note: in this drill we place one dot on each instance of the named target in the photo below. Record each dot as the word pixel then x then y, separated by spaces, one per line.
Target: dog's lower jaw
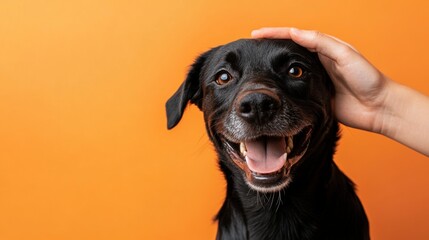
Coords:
pixel 273 189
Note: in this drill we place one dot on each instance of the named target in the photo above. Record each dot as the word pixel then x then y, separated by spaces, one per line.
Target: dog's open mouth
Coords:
pixel 267 160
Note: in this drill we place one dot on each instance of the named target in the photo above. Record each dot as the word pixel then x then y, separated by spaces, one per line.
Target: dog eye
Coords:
pixel 223 78
pixel 295 72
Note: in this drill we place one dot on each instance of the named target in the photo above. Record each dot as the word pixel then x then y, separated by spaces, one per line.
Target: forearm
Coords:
pixel 405 117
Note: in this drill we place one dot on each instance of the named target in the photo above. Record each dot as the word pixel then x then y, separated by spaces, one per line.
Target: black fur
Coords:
pixel 320 201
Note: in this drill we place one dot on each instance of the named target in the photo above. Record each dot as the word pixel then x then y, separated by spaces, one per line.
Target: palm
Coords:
pixel 357 99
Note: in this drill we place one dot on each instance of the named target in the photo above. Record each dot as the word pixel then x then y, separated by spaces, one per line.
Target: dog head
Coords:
pixel 267 108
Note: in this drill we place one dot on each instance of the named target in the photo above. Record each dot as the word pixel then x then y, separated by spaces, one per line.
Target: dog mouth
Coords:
pixel 267 160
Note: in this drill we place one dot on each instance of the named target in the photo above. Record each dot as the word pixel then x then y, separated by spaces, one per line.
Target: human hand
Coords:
pixel 360 87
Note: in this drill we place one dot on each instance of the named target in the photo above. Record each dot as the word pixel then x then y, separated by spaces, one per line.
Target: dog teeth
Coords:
pixel 290 142
pixel 288 150
pixel 243 149
pixel 289 145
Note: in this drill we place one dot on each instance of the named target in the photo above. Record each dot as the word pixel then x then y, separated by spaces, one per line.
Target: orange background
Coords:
pixel 84 150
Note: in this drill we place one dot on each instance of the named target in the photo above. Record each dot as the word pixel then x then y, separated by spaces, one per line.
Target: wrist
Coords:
pixel 405 117
pixel 389 111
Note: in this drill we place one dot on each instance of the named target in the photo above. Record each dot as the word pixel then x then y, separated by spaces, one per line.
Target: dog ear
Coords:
pixel 189 91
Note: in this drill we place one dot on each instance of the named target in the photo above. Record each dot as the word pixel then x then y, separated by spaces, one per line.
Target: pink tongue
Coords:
pixel 266 154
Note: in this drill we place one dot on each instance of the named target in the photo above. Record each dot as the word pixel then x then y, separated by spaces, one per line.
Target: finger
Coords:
pixel 324 44
pixel 272 32
pixel 345 43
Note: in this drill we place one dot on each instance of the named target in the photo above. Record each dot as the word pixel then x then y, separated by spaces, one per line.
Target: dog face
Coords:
pixel 266 105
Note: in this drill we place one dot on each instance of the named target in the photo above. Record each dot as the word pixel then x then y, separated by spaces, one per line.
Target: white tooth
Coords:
pixel 290 143
pixel 285 156
pixel 243 149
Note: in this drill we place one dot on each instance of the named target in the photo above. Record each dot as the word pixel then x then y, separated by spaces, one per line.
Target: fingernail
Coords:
pixel 254 33
pixel 295 31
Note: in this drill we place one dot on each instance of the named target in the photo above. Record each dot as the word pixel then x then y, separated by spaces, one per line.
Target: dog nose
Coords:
pixel 257 107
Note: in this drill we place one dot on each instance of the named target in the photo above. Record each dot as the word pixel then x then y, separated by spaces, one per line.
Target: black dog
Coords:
pixel 267 109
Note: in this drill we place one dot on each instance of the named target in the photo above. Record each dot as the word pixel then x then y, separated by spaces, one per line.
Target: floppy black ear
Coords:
pixel 189 91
